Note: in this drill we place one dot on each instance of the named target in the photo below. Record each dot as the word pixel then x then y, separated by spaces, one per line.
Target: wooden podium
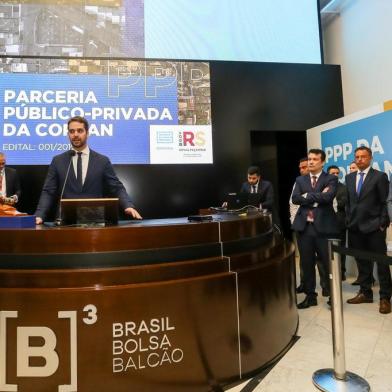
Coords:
pixel 158 305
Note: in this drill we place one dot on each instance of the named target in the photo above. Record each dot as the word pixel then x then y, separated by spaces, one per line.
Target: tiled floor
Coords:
pixel 368 338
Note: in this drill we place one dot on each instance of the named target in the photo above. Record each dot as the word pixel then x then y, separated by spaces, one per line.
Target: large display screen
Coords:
pixel 140 112
pixel 250 30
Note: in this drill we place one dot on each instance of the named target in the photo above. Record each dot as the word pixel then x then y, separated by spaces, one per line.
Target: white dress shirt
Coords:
pixel 366 171
pixel 85 158
pixel 256 186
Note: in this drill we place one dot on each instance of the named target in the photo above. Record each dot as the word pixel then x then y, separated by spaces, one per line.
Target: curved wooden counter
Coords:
pixel 163 305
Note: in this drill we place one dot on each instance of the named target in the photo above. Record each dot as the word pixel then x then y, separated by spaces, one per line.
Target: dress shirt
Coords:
pixel 366 171
pixel 311 181
pixel 317 175
pixel 85 158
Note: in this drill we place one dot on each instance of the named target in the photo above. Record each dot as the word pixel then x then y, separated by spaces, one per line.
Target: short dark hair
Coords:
pixel 317 151
pixel 364 148
pixel 303 159
pixel 79 119
pixel 254 170
pixel 332 167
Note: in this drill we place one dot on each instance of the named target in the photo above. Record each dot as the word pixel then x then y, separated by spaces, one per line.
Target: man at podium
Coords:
pixel 81 173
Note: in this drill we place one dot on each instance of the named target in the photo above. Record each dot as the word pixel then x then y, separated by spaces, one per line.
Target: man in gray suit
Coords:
pixel 91 175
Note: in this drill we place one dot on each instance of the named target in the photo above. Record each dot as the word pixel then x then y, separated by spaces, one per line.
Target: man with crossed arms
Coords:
pixel 315 221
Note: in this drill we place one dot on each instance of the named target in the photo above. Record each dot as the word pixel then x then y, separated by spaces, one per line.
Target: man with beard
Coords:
pixel 91 175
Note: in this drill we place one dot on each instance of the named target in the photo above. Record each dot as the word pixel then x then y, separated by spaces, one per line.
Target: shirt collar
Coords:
pixel 316 174
pixel 366 171
pixel 85 151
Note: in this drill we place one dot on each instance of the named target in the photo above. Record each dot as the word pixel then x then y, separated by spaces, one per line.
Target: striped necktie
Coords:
pixel 314 181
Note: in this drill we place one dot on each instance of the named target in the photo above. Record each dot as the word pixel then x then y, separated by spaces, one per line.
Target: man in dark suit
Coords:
pixel 256 185
pixel 91 175
pixel 293 208
pixel 339 205
pixel 315 221
pixel 9 183
pixel 367 220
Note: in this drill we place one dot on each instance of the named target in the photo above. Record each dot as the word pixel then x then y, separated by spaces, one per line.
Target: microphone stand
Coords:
pixel 59 220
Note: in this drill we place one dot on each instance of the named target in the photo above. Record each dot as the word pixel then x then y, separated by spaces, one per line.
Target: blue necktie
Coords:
pixel 360 182
pixel 253 189
pixel 79 171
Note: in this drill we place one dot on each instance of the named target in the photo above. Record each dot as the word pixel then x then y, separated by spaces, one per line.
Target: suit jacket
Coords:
pixel 325 221
pixel 265 190
pixel 12 182
pixel 389 202
pixel 100 181
pixel 368 211
pixel 341 199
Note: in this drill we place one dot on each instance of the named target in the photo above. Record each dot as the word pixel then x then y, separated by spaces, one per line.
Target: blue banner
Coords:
pixel 340 143
pixel 35 108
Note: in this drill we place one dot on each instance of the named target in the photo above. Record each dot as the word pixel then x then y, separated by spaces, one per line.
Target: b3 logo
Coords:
pixel 46 352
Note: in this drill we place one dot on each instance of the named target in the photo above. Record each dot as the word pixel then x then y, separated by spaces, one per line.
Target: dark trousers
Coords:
pixel 312 245
pixel 324 283
pixel 371 242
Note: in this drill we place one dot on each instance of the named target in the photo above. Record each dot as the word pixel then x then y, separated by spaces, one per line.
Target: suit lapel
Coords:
pixel 366 186
pixel 350 183
pixel 72 172
pixel 308 184
pixel 260 187
pixel 319 183
pixel 90 168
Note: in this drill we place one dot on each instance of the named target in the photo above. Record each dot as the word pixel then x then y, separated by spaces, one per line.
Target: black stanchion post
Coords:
pixel 337 379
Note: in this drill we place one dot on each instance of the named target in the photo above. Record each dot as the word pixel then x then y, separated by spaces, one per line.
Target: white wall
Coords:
pixel 360 40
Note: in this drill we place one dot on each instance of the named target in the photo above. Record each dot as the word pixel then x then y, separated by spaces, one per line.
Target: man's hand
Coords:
pixel 131 211
pixel 38 220
pixel 325 190
pixel 9 201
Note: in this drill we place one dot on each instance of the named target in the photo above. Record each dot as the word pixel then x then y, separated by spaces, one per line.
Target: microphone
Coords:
pixel 71 153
